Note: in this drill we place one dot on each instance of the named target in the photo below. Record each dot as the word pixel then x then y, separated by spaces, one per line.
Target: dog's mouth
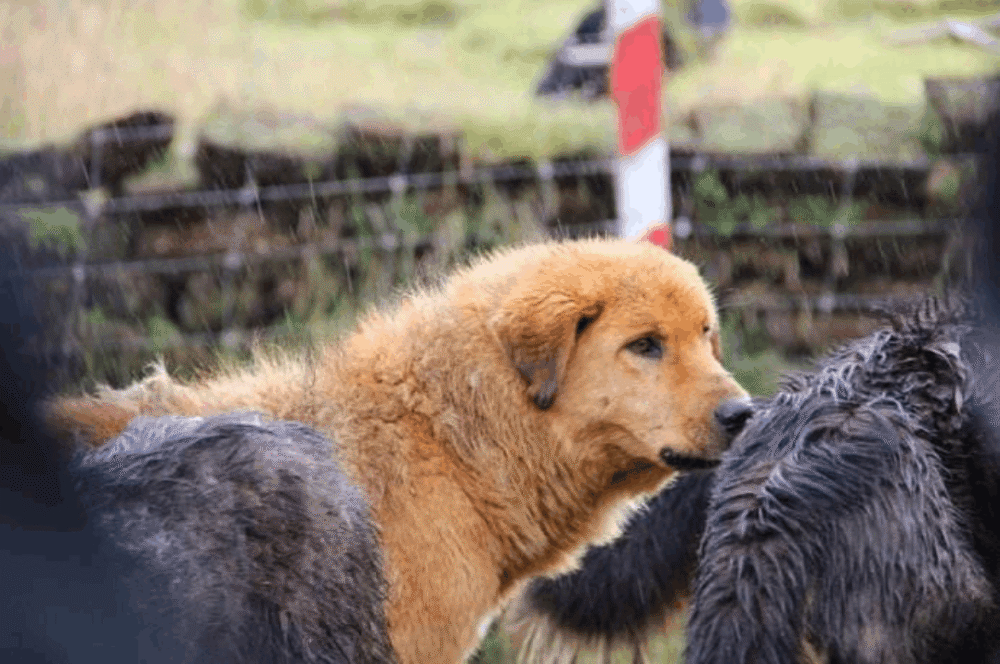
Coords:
pixel 637 468
pixel 684 462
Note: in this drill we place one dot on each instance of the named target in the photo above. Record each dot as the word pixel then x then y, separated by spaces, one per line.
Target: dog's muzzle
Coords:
pixel 731 416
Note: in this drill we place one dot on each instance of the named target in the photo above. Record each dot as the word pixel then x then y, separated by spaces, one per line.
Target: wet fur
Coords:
pixel 854 518
pixel 253 545
pixel 623 592
pixel 766 560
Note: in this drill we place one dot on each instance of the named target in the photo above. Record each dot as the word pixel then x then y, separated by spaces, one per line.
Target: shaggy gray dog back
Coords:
pixel 244 540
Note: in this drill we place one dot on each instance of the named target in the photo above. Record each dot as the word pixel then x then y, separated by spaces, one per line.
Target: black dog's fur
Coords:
pixel 624 590
pixel 854 520
pixel 225 540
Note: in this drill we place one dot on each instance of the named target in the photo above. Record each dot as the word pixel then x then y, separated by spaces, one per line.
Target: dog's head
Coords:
pixel 617 344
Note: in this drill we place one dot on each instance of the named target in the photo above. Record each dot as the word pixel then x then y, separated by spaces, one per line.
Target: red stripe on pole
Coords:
pixel 636 80
pixel 659 235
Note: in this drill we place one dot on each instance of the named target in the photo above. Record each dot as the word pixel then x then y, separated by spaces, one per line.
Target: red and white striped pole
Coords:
pixel 642 175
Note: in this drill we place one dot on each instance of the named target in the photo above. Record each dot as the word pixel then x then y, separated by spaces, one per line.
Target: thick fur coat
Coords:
pixel 854 520
pixel 495 424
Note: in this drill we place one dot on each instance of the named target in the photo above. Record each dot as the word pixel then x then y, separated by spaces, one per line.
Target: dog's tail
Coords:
pixel 93 420
pixel 623 591
pixel 87 419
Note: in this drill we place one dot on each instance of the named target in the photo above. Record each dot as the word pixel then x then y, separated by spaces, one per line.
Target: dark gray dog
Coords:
pixel 265 546
pixel 222 539
pixel 225 539
pixel 853 520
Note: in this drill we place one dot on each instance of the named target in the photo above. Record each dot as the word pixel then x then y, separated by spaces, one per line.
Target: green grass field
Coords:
pixel 428 63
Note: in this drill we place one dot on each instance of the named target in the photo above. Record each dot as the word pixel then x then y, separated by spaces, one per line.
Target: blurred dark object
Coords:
pixel 966 108
pixel 33 486
pixel 39 313
pixel 986 218
pixel 711 19
pixel 582 63
pixel 111 559
pixel 102 156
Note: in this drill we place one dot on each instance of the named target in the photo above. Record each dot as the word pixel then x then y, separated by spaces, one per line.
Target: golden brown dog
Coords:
pixel 498 423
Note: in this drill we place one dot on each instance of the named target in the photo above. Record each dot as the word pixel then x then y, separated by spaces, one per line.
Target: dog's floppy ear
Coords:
pixel 538 335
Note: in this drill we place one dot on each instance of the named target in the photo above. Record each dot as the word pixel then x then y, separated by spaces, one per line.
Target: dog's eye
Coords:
pixel 649 347
pixel 705 329
pixel 583 323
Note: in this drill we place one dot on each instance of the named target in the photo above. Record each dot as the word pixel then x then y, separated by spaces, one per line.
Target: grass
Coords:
pixel 665 648
pixel 79 62
pixel 421 63
pixel 748 355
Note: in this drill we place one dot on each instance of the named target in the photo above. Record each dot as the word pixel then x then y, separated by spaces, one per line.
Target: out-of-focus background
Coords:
pixel 186 178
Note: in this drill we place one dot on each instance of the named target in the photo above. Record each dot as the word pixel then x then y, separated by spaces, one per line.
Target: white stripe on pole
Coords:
pixel 641 191
pixel 642 177
pixel 623 14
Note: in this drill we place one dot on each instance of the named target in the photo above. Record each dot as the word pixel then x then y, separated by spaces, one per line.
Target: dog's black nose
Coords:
pixel 732 414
